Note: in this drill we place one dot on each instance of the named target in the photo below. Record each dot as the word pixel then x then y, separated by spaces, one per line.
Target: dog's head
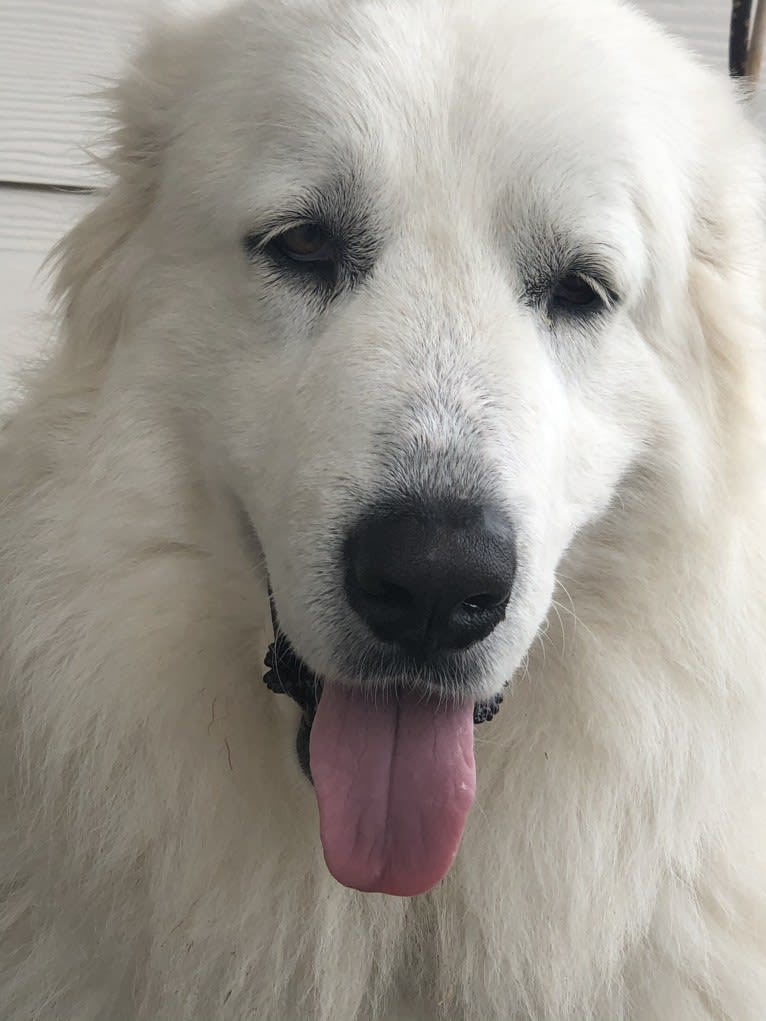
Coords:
pixel 435 288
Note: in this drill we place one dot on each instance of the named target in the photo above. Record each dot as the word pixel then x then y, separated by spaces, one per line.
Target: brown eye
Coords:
pixel 575 292
pixel 308 242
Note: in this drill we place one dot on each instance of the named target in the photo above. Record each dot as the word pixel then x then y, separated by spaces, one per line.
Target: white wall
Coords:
pixel 704 23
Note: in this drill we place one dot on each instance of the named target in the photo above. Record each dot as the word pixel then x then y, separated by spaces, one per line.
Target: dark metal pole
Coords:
pixel 739 37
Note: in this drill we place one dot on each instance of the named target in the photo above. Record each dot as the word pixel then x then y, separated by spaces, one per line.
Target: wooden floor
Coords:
pixel 54 56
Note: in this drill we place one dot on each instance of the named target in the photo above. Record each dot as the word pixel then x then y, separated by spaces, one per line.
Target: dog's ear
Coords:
pixel 727 283
pixel 94 269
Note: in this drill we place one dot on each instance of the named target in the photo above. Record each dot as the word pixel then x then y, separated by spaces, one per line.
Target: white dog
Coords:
pixel 445 319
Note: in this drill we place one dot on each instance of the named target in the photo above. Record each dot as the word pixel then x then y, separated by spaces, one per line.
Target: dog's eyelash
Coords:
pixel 354 246
pixel 606 296
pixel 257 242
pixel 258 239
pixel 321 273
pixel 542 293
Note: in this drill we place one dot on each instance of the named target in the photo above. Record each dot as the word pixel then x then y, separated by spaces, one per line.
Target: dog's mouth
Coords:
pixel 394 775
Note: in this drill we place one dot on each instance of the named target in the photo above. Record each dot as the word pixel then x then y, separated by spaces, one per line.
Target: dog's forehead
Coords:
pixel 416 70
pixel 433 96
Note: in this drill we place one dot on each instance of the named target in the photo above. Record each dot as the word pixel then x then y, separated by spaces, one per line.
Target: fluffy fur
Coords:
pixel 160 854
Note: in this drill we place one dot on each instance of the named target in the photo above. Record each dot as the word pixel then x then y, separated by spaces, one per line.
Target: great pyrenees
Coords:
pixel 441 322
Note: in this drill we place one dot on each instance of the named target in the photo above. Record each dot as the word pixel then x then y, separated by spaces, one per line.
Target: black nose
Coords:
pixel 433 579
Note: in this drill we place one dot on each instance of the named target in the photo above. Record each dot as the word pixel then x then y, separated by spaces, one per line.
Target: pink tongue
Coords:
pixel 394 783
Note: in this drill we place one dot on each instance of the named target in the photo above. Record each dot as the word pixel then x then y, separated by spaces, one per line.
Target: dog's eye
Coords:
pixel 576 293
pixel 306 243
pixel 307 250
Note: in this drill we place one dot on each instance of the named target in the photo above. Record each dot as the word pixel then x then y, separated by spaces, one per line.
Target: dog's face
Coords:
pixel 407 262
pixel 440 300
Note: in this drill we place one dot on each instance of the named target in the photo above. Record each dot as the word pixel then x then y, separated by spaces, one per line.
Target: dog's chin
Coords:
pixel 456 677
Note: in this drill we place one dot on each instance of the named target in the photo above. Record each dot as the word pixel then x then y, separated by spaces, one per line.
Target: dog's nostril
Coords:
pixel 485 601
pixel 380 589
pixel 383 601
pixel 476 617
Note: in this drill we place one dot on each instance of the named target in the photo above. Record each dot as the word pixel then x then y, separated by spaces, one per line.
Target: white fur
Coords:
pixel 160 855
